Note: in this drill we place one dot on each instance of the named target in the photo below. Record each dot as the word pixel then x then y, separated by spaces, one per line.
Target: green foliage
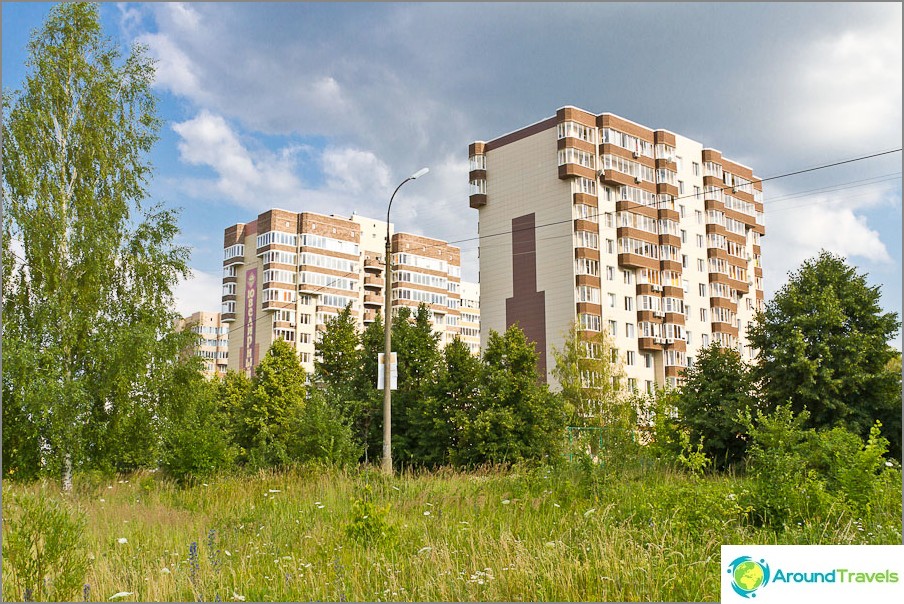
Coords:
pixel 337 358
pixel 823 346
pixel 800 473
pixel 435 423
pixel 323 435
pixel 417 349
pixel 369 525
pixel 590 380
pixel 692 458
pixel 716 390
pixel 659 424
pixel 273 408
pixel 195 439
pixel 515 418
pixel 87 325
pixel 44 558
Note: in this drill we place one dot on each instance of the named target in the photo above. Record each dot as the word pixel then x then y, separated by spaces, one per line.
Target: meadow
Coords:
pixel 575 532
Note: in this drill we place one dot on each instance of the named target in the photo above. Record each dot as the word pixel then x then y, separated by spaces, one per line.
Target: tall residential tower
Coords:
pixel 617 226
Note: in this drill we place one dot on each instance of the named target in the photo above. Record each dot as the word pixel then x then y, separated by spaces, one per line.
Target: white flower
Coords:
pixel 427 513
pixel 122 541
pixel 588 512
pixel 238 597
pixel 102 500
pixel 120 594
pixel 165 570
pixel 396 488
pixel 204 484
pixel 226 551
pixel 505 502
pixel 557 505
pixel 274 491
pixel 424 550
pixel 320 507
pixel 550 544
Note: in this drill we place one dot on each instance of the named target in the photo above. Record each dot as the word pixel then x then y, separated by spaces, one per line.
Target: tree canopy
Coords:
pixel 88 270
pixel 823 347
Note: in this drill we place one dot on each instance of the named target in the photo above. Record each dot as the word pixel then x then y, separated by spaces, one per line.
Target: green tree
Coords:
pixel 195 436
pixel 322 434
pixel 435 423
pixel 823 348
pixel 367 419
pixel 86 304
pixel 590 374
pixel 337 360
pixel 273 408
pixel 515 418
pixel 417 348
pixel 717 390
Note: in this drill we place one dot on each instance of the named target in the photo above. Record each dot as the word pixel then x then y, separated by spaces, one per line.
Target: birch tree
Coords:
pixel 88 269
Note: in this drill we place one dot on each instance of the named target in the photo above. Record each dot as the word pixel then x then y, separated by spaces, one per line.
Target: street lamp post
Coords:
pixel 387 337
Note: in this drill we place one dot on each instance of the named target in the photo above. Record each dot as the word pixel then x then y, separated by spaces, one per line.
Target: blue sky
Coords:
pixel 326 107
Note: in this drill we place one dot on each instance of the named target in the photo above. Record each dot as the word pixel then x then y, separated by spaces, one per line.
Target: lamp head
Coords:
pixel 419 173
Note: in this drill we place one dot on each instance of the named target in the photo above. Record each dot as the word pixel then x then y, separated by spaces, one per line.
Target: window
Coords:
pixel 629 330
pixel 234 251
pixel 698 194
pixel 589 322
pixel 683 236
pixel 627 277
pixel 610 220
pixel 629 303
pixel 699 240
pixel 610 246
pixel 586 266
pixel 649 385
pixel 648 360
pixel 682 210
pixel 689 336
pixel 683 260
pixel 585 293
pixel 696 168
pixel 610 273
pixel 701 266
pixel 699 216
pixel 681 189
pixel 330 244
pixel 276 238
pixel 629 357
pixel 704 315
pixel 704 340
pixel 613 328
pixel 611 300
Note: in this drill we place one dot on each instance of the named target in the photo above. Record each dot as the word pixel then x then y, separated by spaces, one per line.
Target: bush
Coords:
pixel 369 525
pixel 43 548
pixel 800 474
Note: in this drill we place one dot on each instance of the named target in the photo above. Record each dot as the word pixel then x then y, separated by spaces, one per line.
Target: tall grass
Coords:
pixel 571 533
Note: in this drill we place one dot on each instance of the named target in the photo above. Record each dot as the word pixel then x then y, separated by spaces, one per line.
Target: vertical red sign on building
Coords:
pixel 248 360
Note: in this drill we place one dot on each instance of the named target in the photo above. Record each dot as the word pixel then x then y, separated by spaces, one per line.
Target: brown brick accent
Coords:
pixel 527 306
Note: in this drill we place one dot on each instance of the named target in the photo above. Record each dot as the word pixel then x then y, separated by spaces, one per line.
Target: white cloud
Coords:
pixel 799 229
pixel 255 182
pixel 355 171
pixel 175 71
pixel 200 291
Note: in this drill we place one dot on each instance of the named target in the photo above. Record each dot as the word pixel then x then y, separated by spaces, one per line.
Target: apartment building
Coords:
pixel 213 341
pixel 286 274
pixel 620 227
pixel 469 321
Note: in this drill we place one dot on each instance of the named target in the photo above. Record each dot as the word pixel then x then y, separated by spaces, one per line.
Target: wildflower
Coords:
pixel 557 505
pixel 226 551
pixel 888 464
pixel 424 550
pixel 120 594
pixel 165 570
pixel 320 507
pixel 102 500
pixel 396 488
pixel 427 513
pixel 274 491
pixel 204 484
pixel 122 540
pixel 550 544
pixel 588 512
pixel 238 597
pixel 505 502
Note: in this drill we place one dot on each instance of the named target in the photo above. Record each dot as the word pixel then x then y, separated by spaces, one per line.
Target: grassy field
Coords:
pixel 573 533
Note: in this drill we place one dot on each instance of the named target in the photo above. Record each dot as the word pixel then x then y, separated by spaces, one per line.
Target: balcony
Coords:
pixel 373 300
pixel 373 281
pixel 370 315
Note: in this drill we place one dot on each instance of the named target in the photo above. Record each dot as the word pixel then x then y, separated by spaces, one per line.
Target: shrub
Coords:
pixel 43 551
pixel 369 525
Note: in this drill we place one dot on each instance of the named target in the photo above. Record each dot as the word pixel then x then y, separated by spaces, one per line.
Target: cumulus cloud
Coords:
pixel 797 229
pixel 255 182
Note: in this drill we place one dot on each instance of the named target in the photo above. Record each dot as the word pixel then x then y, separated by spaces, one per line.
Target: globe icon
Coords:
pixel 748 575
